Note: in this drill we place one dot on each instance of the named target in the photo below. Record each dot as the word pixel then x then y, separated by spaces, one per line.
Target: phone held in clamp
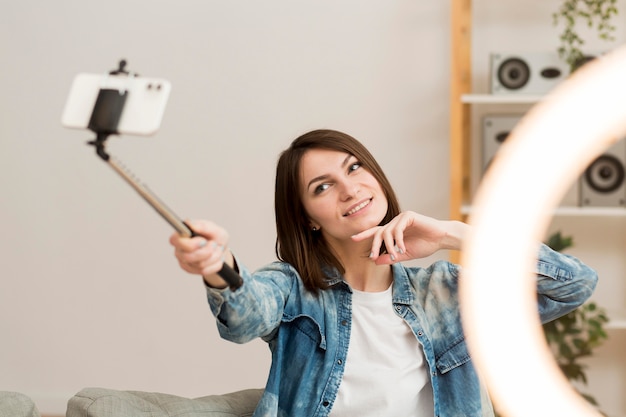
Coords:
pixel 124 103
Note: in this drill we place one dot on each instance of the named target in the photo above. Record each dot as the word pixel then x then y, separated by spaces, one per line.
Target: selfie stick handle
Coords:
pixel 228 274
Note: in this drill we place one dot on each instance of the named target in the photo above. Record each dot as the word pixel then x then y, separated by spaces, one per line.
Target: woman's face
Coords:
pixel 340 197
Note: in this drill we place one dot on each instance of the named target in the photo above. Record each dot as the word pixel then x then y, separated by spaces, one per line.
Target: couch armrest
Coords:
pixel 102 402
pixel 14 404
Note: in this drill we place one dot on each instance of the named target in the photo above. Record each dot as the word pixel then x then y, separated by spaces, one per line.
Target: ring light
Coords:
pixel 548 149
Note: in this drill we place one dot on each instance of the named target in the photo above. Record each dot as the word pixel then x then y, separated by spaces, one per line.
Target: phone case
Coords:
pixel 143 108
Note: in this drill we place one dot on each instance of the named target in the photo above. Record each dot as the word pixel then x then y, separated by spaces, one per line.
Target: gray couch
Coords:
pixel 14 404
pixel 101 402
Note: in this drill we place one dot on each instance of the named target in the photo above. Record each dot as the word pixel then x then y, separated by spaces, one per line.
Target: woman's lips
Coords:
pixel 358 207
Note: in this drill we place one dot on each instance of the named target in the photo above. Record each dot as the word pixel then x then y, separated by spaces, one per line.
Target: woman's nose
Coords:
pixel 349 189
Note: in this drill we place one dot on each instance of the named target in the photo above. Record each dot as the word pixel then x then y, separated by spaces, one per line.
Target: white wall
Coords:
pixel 90 293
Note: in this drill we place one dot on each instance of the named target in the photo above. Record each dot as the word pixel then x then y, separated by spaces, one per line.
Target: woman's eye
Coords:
pixel 321 188
pixel 354 166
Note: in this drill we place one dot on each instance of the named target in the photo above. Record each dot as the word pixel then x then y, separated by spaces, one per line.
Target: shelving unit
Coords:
pixel 462 100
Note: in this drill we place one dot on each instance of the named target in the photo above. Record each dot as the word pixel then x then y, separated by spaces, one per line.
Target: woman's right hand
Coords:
pixel 205 253
pixel 411 235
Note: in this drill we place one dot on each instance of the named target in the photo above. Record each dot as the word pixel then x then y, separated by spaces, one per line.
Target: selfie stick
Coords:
pixel 104 120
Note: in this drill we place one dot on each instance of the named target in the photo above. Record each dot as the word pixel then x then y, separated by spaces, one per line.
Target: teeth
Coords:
pixel 359 207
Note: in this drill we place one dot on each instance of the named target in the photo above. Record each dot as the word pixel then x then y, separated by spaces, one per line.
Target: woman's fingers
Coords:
pixel 412 236
pixel 204 253
pixel 366 234
pixel 394 239
pixel 392 235
pixel 373 234
pixel 205 260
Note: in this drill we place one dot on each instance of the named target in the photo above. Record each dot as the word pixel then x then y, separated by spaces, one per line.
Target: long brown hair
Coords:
pixel 296 244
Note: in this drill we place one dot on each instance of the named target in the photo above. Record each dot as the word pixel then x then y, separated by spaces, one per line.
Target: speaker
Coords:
pixel 496 129
pixel 603 182
pixel 528 73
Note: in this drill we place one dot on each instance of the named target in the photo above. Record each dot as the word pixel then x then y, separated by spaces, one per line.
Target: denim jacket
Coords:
pixel 308 334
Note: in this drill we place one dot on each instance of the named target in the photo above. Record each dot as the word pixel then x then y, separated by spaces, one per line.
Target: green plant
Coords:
pixel 577 334
pixel 596 14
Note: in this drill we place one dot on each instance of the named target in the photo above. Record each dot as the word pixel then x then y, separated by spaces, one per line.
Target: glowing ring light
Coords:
pixel 545 153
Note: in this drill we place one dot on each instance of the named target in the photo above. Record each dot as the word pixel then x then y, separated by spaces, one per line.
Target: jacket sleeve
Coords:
pixel 563 283
pixel 255 309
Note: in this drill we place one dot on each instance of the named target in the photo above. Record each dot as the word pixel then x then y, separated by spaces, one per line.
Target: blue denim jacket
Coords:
pixel 308 334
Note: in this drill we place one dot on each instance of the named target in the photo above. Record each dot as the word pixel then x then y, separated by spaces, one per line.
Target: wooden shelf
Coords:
pixel 618 324
pixel 591 211
pixel 574 211
pixel 500 98
pixel 617 320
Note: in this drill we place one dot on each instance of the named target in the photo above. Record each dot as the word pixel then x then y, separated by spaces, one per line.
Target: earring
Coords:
pixel 315 229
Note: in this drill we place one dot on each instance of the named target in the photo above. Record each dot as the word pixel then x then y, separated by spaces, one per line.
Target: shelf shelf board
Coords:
pixel 591 211
pixel 617 320
pixel 501 98
pixel 619 324
pixel 574 211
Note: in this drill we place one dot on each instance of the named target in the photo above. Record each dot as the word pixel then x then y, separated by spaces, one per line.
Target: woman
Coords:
pixel 351 330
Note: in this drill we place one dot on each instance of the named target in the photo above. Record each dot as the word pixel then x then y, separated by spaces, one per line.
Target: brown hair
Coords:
pixel 296 244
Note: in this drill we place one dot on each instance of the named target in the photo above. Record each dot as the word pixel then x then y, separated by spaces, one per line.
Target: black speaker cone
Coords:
pixel 513 73
pixel 605 174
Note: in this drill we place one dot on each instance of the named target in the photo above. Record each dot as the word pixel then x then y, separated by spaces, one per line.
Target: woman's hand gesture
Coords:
pixel 412 236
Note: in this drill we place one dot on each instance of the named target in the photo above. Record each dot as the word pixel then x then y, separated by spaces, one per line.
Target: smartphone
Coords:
pixel 142 111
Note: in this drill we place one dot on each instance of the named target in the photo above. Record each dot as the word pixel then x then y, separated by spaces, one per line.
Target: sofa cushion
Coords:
pixel 102 402
pixel 15 404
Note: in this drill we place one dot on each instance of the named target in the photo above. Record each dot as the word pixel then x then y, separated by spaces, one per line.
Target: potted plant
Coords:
pixel 576 335
pixel 596 14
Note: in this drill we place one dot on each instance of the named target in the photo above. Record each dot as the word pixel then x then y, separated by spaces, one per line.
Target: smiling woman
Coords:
pixel 353 331
pixel 297 243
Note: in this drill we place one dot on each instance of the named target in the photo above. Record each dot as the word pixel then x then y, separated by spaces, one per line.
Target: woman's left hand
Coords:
pixel 412 236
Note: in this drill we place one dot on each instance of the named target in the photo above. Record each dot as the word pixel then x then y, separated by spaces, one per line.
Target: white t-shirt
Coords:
pixel 386 372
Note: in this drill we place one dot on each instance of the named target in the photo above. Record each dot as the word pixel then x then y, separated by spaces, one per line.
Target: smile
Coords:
pixel 358 207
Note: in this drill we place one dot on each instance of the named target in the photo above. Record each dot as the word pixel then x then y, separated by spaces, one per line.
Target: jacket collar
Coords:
pixel 402 293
